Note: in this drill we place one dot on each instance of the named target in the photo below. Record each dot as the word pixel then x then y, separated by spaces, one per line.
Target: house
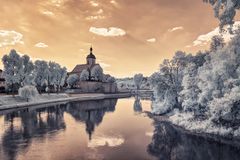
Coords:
pixel 2 82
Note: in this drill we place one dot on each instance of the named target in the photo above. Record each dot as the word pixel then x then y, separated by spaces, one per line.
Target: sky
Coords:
pixel 128 36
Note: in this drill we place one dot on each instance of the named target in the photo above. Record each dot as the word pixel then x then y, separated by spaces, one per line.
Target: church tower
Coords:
pixel 91 59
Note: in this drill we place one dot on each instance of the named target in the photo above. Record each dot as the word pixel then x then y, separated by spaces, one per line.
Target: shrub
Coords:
pixel 28 92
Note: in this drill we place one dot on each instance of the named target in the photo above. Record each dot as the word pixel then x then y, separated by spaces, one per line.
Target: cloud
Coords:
pixel 205 38
pixel 107 32
pixel 105 141
pixel 58 3
pixel 32 58
pixel 175 29
pixel 152 40
pixel 41 45
pixel 149 134
pixel 95 17
pixel 114 3
pixel 94 3
pixel 10 38
pixel 48 13
pixel 104 65
pixel 100 11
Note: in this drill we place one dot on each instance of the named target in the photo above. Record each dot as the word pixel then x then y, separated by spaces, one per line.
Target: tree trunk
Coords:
pixel 57 89
pixel 12 90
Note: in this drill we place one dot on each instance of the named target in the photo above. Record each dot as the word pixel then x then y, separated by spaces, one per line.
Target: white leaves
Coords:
pixel 84 75
pixel 72 79
pixel 20 71
pixel 97 73
pixel 225 11
pixel 28 92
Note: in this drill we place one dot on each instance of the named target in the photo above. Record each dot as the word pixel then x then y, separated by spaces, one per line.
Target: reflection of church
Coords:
pixel 91 112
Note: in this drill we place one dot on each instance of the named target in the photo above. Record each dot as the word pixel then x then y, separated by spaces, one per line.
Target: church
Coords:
pixel 90 63
pixel 106 84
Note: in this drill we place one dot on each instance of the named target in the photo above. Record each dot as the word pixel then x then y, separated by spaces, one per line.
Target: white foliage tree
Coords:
pixel 84 75
pixel 26 71
pixel 138 78
pixel 224 10
pixel 12 63
pixel 41 74
pixel 61 74
pixel 52 67
pixel 220 74
pixel 111 80
pixel 189 94
pixel 28 92
pixel 217 43
pixel 97 73
pixel 72 80
pixel 167 82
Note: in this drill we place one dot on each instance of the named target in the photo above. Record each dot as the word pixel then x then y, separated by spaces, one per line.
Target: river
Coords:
pixel 106 129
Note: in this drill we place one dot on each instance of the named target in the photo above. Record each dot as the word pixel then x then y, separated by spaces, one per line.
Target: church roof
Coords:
pixel 80 67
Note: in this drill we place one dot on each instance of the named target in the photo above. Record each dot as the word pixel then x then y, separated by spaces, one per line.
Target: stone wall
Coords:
pixel 94 87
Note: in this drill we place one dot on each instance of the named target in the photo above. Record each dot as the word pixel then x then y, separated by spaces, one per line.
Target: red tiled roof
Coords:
pixel 80 67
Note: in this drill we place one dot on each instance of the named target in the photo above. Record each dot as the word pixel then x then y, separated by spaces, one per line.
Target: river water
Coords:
pixel 107 129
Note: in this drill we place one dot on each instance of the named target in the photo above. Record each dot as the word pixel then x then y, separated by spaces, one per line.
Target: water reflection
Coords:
pixel 137 105
pixel 91 113
pixel 24 125
pixel 171 143
pixel 73 131
pixel 20 127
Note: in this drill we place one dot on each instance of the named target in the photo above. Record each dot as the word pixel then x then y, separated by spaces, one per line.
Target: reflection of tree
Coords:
pixel 18 138
pixel 39 122
pixel 137 104
pixel 171 143
pixel 91 112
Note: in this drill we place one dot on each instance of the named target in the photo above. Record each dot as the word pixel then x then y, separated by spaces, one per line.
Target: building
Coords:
pixel 2 82
pixel 90 63
pixel 91 85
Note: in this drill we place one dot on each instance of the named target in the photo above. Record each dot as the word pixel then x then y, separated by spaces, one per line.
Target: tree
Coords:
pixel 111 80
pixel 138 80
pixel 51 78
pixel 28 92
pixel 61 74
pixel 217 43
pixel 224 10
pixel 26 71
pixel 12 63
pixel 189 94
pixel 41 74
pixel 167 82
pixel 84 75
pixel 72 80
pixel 97 73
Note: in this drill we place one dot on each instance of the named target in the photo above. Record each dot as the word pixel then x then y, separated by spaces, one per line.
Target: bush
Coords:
pixel 28 92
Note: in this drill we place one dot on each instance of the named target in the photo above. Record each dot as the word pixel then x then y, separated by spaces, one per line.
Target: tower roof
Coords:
pixel 91 55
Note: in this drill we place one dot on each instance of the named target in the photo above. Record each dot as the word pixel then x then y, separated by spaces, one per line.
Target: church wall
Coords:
pixel 95 87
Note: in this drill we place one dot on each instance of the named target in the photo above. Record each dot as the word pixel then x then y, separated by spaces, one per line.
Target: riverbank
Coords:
pixel 9 102
pixel 225 139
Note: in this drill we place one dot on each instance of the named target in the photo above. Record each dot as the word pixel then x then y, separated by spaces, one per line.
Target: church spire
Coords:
pixel 91 49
